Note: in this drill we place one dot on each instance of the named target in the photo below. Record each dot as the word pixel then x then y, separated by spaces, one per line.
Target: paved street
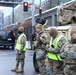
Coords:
pixel 7 62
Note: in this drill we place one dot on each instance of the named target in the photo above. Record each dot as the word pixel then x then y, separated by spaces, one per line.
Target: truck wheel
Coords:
pixel 35 62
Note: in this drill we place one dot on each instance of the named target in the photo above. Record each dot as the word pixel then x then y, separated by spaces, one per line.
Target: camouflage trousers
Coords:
pixel 69 71
pixel 41 66
pixel 56 67
pixel 20 58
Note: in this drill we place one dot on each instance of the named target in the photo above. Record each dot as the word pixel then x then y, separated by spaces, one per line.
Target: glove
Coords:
pixel 63 55
pixel 19 53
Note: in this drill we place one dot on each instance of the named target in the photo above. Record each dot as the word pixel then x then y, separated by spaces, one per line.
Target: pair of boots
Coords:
pixel 18 70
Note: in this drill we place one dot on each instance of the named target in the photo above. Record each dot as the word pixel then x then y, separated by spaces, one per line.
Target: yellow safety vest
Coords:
pixel 18 44
pixel 51 55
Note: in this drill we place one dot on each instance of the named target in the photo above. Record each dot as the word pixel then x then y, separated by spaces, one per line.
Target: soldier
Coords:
pixel 69 54
pixel 42 39
pixel 56 42
pixel 20 47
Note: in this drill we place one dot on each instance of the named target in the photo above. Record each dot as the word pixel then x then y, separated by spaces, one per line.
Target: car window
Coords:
pixel 2 34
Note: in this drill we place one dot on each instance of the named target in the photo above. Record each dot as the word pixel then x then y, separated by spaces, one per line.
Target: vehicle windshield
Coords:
pixel 2 34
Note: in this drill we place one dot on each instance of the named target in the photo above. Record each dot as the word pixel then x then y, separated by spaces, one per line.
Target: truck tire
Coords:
pixel 35 63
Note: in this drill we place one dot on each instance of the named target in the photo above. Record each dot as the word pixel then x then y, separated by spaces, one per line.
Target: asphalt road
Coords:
pixel 7 62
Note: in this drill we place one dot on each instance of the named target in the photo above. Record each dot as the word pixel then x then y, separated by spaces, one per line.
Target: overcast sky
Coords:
pixel 38 1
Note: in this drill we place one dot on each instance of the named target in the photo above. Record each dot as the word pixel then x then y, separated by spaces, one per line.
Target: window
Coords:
pixel 63 1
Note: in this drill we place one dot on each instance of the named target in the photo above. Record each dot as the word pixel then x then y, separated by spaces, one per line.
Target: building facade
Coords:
pixel 1 20
pixel 18 15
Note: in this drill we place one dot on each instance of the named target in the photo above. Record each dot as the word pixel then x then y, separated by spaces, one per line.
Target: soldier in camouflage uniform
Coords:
pixel 20 48
pixel 42 39
pixel 69 54
pixel 56 42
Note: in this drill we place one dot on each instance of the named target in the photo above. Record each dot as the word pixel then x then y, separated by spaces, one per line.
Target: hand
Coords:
pixel 47 46
pixel 19 53
pixel 64 55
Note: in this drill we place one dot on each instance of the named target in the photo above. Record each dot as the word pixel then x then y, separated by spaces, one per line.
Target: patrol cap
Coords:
pixel 53 32
pixel 21 29
pixel 39 26
pixel 73 29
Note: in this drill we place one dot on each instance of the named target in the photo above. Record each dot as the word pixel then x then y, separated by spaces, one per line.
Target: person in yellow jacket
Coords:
pixel 20 47
pixel 56 42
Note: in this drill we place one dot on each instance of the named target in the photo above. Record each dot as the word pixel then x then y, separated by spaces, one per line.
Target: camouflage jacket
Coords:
pixel 41 40
pixel 69 52
pixel 60 44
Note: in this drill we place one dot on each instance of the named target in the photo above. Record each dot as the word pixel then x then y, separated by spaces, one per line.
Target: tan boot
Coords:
pixel 15 69
pixel 20 71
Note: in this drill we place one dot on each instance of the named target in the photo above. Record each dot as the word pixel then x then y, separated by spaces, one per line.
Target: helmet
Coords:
pixel 73 29
pixel 39 26
pixel 21 29
pixel 53 32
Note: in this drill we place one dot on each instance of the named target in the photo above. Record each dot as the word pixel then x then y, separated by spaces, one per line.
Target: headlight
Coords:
pixel 9 39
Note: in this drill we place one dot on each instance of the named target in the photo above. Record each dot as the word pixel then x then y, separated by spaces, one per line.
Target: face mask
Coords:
pixel 19 32
pixel 73 40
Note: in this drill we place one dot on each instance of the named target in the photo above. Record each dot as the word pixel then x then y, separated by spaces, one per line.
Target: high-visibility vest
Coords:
pixel 18 44
pixel 55 56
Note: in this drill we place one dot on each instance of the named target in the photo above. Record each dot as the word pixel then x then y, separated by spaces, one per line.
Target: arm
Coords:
pixel 60 44
pixel 23 43
pixel 64 52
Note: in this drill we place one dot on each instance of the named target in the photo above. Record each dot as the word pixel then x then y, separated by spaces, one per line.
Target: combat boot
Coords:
pixel 15 69
pixel 20 71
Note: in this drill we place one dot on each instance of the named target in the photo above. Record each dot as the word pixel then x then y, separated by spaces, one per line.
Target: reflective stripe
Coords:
pixel 18 44
pixel 55 43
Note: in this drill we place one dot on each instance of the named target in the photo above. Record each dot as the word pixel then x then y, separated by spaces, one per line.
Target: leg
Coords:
pixel 58 68
pixel 22 65
pixel 67 71
pixel 22 59
pixel 17 64
pixel 50 66
pixel 41 65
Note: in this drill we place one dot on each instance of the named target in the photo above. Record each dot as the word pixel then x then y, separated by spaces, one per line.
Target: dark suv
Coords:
pixel 7 39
